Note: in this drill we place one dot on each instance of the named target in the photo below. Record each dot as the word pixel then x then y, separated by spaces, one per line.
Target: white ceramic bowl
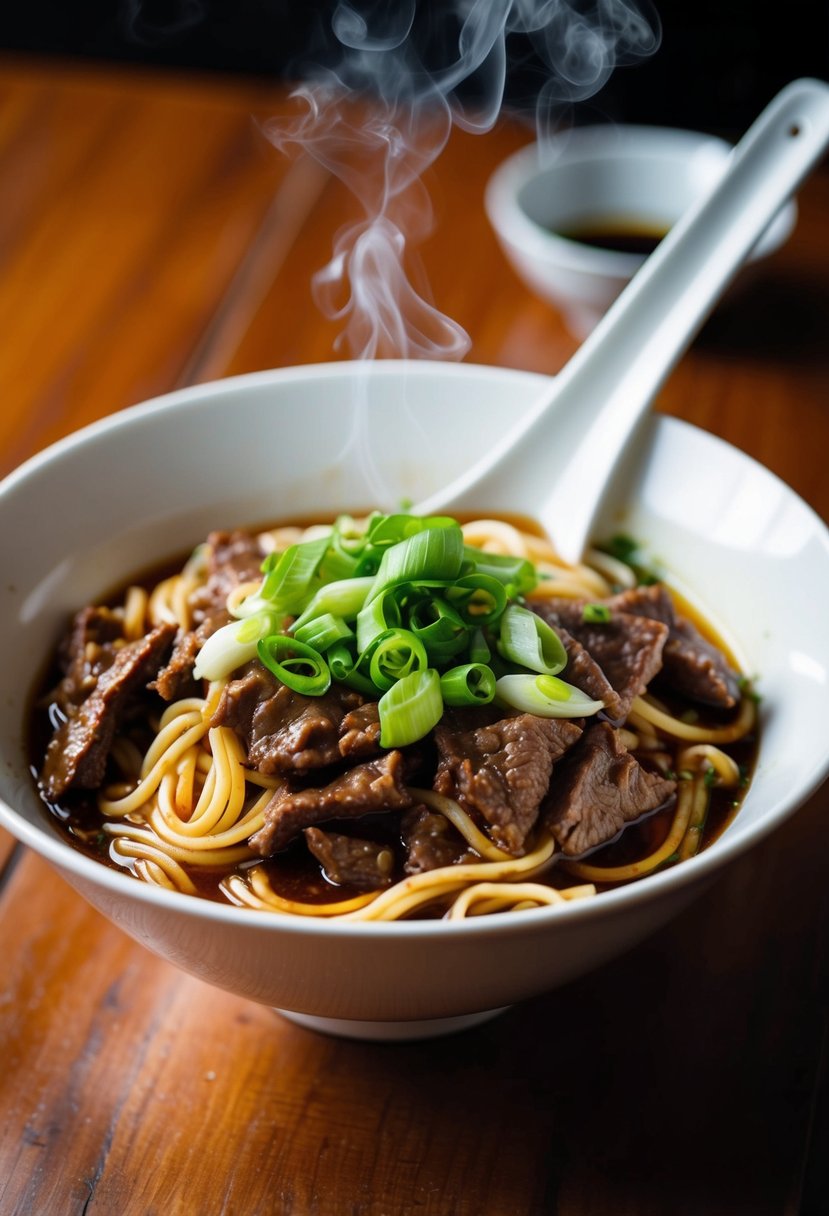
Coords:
pixel 637 178
pixel 149 482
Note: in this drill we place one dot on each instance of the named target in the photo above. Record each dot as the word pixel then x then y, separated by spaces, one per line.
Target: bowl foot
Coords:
pixel 390 1032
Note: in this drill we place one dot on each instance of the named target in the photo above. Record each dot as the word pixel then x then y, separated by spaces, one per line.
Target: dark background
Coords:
pixel 719 62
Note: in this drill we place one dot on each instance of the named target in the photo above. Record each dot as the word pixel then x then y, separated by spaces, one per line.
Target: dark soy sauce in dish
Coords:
pixel 616 236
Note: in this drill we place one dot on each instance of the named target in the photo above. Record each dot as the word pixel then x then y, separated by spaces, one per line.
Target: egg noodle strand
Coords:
pixel 189 805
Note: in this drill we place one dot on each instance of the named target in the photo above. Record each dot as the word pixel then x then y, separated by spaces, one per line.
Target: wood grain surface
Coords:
pixel 149 237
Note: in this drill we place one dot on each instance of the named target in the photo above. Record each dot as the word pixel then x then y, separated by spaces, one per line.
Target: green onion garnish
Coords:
pixel 596 614
pixel 479 648
pixel 527 640
pixel 480 598
pixel 469 684
pixel 288 576
pixel 344 598
pixel 410 708
pixel 395 655
pixel 342 664
pixel 391 529
pixel 434 554
pixel 232 645
pixel 439 627
pixel 296 664
pixel 545 696
pixel 399 608
pixel 517 574
pixel 378 616
pixel 323 631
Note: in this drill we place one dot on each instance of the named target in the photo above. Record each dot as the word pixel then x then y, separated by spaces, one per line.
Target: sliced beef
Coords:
pixel 431 841
pixel 360 732
pixel 351 862
pixel 233 558
pixel 501 772
pixel 375 786
pixel 585 673
pixel 598 789
pixel 176 678
pixel 473 717
pixel 692 665
pixel 284 731
pixel 627 648
pixel 86 652
pixel 77 754
pixel 654 602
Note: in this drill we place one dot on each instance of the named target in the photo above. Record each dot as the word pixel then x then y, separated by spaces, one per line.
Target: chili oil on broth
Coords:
pixel 294 875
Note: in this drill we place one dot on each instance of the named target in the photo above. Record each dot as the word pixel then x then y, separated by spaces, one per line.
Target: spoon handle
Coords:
pixel 565 450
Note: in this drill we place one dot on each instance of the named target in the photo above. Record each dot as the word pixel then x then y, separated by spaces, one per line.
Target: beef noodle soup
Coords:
pixel 393 717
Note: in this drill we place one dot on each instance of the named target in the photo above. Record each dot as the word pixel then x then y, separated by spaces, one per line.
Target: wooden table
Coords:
pixel 151 237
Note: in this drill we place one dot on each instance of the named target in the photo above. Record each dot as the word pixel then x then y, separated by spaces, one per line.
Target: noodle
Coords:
pixel 685 835
pixel 636 869
pixel 645 711
pixel 415 892
pixel 189 803
pixel 558 578
pixel 493 897
pixel 460 820
pixel 135 613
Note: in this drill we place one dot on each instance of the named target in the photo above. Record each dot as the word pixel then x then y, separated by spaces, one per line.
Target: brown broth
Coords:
pixel 295 874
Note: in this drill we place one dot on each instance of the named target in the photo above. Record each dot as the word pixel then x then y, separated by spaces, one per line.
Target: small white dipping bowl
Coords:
pixel 148 483
pixel 630 178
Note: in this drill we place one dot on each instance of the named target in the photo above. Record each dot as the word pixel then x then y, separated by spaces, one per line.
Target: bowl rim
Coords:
pixel 45 841
pixel 583 145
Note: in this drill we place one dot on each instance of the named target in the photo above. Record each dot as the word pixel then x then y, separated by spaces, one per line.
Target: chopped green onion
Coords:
pixel 288 575
pixel 343 598
pixel 622 547
pixel 347 536
pixel 296 664
pixel 439 627
pixel 388 601
pixel 391 529
pixel 345 551
pixel 531 642
pixel 343 667
pixel 376 617
pixel 232 645
pixel 628 550
pixel 553 687
pixel 336 565
pixel 434 554
pixel 323 631
pixel 480 598
pixel 369 564
pixel 479 649
pixel 410 708
pixel 545 696
pixel 517 574
pixel 596 614
pixel 469 684
pixel 395 655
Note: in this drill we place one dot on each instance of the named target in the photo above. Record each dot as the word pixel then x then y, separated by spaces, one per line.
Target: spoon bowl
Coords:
pixel 562 456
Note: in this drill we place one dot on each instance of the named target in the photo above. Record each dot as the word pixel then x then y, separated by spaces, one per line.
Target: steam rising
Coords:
pixel 376 105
